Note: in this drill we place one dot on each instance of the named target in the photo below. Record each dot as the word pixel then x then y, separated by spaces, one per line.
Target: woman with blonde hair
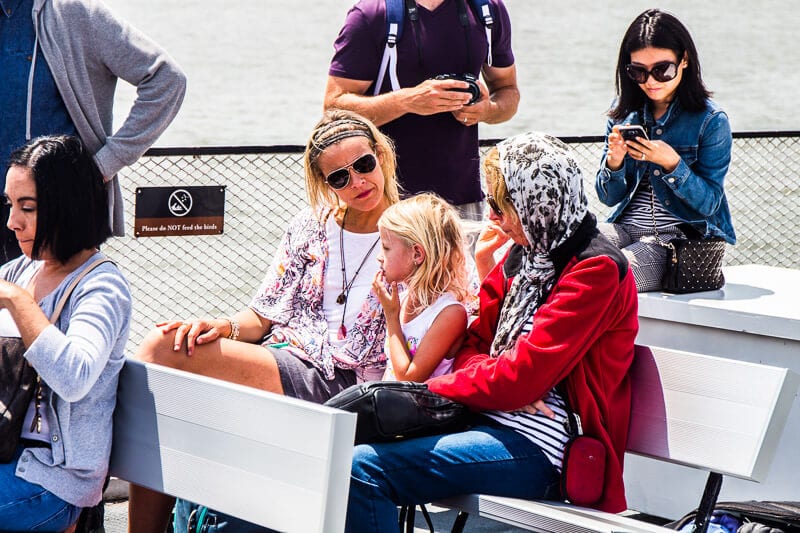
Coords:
pixel 557 322
pixel 422 286
pixel 314 327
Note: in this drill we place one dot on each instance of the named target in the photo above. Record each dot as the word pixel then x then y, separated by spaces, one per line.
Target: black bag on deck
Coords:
pixel 391 410
pixel 756 516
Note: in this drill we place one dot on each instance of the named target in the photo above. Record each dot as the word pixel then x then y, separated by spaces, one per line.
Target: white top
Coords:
pixel 355 248
pixel 415 329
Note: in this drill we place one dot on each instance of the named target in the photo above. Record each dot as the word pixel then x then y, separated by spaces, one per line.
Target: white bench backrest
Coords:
pixel 272 460
pixel 716 414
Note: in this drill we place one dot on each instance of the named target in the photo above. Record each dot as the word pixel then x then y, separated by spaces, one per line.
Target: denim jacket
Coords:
pixel 694 192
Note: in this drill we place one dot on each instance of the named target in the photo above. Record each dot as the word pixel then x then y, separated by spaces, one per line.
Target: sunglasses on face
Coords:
pixel 661 72
pixel 493 205
pixel 339 179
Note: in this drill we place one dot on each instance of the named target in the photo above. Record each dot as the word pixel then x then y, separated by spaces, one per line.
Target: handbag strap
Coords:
pixel 38 394
pixel 573 421
pixel 68 291
pixel 673 257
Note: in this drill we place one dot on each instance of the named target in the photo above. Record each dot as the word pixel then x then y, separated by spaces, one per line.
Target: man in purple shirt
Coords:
pixel 435 132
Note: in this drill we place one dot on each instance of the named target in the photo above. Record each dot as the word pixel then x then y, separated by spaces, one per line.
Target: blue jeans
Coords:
pixel 28 507
pixel 487 459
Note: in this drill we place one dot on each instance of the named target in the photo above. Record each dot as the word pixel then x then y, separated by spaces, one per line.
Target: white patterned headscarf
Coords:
pixel 545 186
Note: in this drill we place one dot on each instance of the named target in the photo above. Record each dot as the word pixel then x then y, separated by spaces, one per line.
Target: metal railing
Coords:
pixel 182 277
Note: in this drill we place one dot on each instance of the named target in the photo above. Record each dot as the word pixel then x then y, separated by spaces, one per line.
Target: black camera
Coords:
pixel 474 90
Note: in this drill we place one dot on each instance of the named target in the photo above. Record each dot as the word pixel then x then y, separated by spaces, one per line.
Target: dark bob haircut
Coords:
pixel 72 212
pixel 657 29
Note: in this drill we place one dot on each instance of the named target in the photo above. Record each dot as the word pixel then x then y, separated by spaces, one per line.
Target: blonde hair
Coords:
pixel 496 183
pixel 433 224
pixel 335 125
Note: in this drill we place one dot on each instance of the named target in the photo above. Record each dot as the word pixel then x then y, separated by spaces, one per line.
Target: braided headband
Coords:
pixel 318 147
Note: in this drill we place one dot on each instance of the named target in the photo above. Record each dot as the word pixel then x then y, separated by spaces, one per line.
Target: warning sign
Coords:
pixel 167 211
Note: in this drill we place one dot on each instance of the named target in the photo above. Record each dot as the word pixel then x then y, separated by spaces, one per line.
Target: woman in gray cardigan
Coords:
pixel 59 214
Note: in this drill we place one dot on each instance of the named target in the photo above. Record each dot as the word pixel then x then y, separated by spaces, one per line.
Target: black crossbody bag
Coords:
pixel 393 410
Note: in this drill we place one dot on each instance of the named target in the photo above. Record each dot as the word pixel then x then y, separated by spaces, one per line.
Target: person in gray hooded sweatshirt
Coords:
pixel 60 62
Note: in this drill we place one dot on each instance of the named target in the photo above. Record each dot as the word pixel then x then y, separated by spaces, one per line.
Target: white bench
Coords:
pixel 275 461
pixel 719 415
pixel 754 317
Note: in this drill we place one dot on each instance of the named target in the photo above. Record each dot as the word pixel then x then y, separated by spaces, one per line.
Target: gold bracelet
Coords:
pixel 234 334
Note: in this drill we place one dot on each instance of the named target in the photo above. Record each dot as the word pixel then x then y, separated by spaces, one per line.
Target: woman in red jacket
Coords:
pixel 559 309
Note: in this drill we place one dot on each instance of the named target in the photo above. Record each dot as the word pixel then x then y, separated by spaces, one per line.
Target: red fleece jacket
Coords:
pixel 584 332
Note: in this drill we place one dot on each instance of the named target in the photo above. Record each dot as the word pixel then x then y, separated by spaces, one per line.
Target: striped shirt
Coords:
pixel 548 434
pixel 644 208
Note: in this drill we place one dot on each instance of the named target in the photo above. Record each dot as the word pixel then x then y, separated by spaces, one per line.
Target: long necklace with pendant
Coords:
pixel 342 298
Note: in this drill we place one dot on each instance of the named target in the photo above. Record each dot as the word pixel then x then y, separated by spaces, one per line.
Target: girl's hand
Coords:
pixel 195 331
pixel 657 152
pixel 616 150
pixel 389 298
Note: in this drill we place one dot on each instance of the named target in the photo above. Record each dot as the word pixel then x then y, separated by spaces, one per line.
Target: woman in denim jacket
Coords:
pixel 672 183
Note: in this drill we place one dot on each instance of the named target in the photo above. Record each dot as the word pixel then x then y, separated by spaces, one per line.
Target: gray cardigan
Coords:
pixel 87 49
pixel 79 359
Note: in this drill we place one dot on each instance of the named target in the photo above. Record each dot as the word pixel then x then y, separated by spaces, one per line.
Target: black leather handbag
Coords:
pixel 694 265
pixel 17 387
pixel 392 410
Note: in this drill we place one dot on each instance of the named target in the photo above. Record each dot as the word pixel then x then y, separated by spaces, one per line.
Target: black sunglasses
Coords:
pixel 661 72
pixel 493 205
pixel 338 179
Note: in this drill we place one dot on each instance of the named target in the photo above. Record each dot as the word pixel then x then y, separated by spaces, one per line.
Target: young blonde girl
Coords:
pixel 422 286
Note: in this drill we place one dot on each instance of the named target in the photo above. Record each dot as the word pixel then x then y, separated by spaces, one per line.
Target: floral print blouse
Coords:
pixel 291 297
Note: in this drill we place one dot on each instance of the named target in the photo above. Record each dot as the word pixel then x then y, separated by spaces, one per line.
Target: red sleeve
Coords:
pixel 564 329
pixel 481 331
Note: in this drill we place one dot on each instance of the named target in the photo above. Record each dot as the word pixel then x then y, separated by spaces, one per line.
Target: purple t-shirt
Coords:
pixel 435 152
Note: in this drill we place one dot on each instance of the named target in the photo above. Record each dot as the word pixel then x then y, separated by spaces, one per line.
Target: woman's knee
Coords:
pixel 614 233
pixel 157 347
pixel 365 462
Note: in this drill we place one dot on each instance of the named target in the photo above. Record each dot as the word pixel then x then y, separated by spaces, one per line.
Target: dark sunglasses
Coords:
pixel 493 205
pixel 338 179
pixel 661 72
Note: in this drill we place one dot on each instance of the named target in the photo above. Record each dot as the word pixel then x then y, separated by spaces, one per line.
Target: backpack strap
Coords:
pixel 483 11
pixel 395 13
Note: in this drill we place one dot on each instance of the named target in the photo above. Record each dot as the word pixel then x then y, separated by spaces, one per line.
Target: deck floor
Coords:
pixel 116 521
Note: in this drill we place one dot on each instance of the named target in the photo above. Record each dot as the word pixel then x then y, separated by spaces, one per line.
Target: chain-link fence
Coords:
pixel 182 277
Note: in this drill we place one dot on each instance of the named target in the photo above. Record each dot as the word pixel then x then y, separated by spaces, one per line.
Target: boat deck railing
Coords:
pixel 183 277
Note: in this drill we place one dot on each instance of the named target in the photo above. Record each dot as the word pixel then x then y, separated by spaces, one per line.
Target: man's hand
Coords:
pixel 470 115
pixel 435 96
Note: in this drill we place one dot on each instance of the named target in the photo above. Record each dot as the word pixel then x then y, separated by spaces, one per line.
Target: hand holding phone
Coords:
pixel 631 132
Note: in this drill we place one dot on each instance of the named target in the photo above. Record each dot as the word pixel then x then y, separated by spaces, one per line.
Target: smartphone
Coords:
pixel 631 132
